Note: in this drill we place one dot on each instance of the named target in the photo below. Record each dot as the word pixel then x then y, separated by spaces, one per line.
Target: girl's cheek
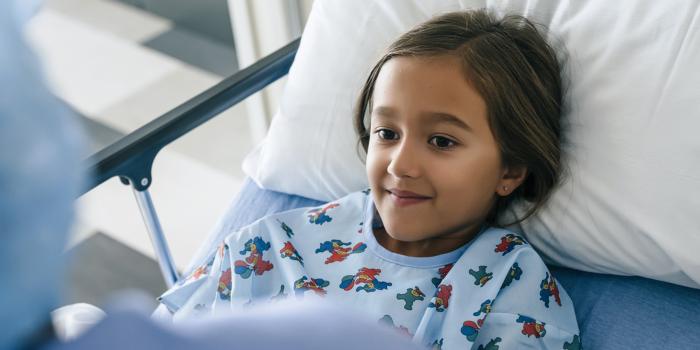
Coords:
pixel 375 162
pixel 371 158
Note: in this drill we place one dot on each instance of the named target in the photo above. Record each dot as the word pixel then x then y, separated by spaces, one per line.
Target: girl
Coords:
pixel 460 117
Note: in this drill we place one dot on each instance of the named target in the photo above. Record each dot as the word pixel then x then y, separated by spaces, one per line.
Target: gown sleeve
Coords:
pixel 530 311
pixel 211 278
pixel 246 268
pixel 503 296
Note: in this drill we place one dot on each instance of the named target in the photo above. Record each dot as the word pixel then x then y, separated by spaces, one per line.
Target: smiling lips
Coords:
pixel 404 198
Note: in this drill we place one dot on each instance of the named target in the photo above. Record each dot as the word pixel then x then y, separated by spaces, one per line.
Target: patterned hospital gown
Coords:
pixel 494 292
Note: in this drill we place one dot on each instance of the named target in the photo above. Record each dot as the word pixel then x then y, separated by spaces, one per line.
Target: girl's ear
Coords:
pixel 512 177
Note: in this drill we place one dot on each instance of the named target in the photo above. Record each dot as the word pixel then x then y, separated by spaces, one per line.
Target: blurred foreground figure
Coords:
pixel 39 180
pixel 40 148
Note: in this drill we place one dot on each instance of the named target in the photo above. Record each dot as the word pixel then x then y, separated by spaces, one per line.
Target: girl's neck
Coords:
pixel 428 247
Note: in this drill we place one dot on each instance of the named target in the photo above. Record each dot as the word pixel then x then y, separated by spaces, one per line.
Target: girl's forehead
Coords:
pixel 431 88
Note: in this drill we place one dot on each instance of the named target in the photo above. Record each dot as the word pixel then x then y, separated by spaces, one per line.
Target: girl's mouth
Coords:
pixel 404 198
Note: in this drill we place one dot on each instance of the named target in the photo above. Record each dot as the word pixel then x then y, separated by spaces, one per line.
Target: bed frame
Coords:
pixel 131 157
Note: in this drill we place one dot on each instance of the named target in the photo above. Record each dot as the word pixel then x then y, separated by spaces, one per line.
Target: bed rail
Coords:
pixel 131 157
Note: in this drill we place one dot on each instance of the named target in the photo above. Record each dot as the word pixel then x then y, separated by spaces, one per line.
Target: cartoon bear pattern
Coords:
pixel 493 292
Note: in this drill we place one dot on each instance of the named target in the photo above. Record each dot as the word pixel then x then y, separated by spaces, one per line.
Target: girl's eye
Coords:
pixel 385 134
pixel 442 142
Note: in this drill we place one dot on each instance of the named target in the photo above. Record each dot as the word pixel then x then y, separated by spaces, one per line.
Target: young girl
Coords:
pixel 460 117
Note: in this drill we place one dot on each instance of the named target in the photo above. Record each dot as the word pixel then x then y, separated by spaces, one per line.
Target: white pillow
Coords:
pixel 633 144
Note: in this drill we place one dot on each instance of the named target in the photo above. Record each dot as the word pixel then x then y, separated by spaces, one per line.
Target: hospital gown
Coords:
pixel 493 292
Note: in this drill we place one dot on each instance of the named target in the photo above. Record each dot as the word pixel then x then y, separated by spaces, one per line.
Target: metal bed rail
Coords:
pixel 131 157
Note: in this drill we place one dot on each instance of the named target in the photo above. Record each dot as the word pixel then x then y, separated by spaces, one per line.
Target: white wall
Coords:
pixel 259 28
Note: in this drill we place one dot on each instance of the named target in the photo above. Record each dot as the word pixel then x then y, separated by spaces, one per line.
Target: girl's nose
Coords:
pixel 404 161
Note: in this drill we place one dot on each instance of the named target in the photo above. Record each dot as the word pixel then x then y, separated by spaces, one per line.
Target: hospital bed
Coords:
pixel 614 312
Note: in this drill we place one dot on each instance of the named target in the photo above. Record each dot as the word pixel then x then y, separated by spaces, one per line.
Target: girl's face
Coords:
pixel 429 134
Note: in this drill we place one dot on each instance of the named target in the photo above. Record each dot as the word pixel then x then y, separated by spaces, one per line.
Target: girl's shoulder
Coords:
pixel 497 255
pixel 500 242
pixel 525 284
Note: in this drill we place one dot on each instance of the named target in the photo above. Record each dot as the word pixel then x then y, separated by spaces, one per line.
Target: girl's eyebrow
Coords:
pixel 426 117
pixel 439 117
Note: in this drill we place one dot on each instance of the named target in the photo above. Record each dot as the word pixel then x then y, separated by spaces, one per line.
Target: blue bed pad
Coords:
pixel 614 312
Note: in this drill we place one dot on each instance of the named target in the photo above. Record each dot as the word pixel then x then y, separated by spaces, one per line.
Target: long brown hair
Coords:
pixel 518 75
